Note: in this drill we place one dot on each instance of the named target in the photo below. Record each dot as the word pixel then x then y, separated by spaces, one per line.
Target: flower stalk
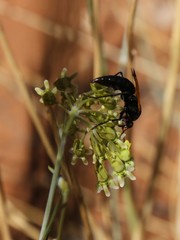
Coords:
pixel 52 189
pixel 92 115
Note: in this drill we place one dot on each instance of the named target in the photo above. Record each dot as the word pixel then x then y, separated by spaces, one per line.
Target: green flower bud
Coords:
pixel 47 95
pixel 107 133
pixel 64 82
pixel 108 102
pixel 118 166
pixel 102 174
pixel 49 98
pixel 63 185
pixel 79 152
pixel 125 155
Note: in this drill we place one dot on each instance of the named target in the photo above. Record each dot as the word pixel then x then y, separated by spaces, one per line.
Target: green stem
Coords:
pixel 54 180
pixel 52 218
pixel 65 198
pixel 52 188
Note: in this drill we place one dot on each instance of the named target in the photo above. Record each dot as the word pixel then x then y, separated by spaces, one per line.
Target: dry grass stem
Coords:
pixel 130 27
pixel 4 230
pixel 19 221
pixel 97 44
pixel 169 94
pixel 167 108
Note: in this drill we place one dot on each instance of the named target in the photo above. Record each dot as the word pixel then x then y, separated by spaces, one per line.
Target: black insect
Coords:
pixel 129 94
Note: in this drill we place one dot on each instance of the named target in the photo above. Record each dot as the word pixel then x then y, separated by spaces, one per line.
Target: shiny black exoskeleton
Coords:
pixel 117 82
pixel 129 94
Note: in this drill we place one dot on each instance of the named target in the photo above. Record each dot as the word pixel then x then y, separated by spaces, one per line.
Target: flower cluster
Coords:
pixel 112 159
pixel 48 95
pixel 93 115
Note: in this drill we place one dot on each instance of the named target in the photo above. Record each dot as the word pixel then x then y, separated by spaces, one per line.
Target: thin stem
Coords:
pixel 65 198
pixel 82 207
pixel 130 28
pixel 5 231
pixel 53 215
pixel 58 163
pixel 52 188
pixel 169 96
pixel 134 223
pixel 115 215
pixel 57 207
pixel 97 43
pixel 167 107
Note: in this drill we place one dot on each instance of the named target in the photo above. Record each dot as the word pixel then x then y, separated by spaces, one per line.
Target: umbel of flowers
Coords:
pixel 91 115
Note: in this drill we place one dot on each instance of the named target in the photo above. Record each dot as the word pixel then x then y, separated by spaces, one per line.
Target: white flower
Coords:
pixel 52 92
pixel 113 184
pixel 121 180
pixel 119 177
pixel 103 186
pixel 130 176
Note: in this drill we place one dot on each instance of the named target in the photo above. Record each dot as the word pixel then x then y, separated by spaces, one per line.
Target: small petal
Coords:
pixel 113 184
pixel 54 90
pixel 39 91
pixel 123 136
pixel 99 188
pixel 64 72
pixel 121 181
pixel 41 100
pixel 130 176
pixel 74 160
pixel 103 186
pixel 84 160
pixel 94 159
pixel 130 168
pixel 46 84
pixel 106 191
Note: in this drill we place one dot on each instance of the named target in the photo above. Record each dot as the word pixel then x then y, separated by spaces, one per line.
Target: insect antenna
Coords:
pixel 137 87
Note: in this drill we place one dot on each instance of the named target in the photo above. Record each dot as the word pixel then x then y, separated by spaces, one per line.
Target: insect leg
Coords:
pixel 108 95
pixel 119 73
pixel 137 88
pixel 99 124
